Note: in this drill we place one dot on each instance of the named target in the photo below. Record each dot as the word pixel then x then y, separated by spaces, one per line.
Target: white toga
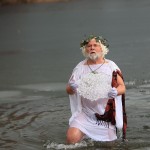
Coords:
pixel 83 110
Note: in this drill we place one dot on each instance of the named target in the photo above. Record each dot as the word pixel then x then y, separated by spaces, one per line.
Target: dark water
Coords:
pixel 39 46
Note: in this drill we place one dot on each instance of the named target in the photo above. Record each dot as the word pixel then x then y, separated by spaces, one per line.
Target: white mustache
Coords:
pixel 94 55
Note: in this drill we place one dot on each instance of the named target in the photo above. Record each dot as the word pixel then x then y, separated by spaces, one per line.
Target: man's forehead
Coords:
pixel 93 41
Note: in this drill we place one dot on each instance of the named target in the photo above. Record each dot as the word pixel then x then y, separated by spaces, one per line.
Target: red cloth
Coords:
pixel 109 115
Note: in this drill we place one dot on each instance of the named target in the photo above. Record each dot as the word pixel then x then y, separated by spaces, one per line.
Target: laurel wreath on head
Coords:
pixel 97 38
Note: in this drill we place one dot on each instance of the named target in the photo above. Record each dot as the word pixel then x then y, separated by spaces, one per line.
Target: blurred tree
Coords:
pixel 7 2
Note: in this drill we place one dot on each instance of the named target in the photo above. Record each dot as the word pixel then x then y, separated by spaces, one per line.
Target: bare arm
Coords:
pixel 121 86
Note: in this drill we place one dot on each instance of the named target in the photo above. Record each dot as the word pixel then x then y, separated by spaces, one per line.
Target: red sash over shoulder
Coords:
pixel 110 112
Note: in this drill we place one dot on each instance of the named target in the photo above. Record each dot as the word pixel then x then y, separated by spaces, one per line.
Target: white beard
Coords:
pixel 94 56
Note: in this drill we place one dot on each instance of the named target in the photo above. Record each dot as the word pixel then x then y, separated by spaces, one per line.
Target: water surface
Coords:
pixel 39 47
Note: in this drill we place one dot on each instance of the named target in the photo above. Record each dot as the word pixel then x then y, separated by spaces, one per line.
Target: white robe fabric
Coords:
pixel 83 110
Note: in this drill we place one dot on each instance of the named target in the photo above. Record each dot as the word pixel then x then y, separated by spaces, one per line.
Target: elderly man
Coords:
pixel 96 90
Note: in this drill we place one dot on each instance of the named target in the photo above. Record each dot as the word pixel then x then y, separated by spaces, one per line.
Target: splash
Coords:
pixel 56 146
pixel 89 144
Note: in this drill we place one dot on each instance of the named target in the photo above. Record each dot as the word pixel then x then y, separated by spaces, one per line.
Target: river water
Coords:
pixel 39 47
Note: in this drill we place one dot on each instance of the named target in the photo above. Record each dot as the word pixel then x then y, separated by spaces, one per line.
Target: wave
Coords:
pixel 93 145
pixel 87 144
pixel 58 86
pixel 41 90
pixel 5 94
pixel 137 83
pixel 61 86
pixel 57 146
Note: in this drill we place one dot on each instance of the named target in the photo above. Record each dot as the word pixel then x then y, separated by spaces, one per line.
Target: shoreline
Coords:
pixel 14 2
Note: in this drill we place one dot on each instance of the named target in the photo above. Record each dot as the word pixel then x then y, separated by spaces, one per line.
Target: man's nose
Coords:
pixel 91 47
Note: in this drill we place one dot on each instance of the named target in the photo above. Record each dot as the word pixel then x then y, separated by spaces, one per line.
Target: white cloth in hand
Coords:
pixel 113 93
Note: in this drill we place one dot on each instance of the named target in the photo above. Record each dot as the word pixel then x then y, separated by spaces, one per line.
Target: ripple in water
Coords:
pixel 88 144
pixel 93 145
pixel 56 146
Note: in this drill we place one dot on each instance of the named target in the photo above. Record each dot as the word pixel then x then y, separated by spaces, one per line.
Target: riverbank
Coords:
pixel 13 2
